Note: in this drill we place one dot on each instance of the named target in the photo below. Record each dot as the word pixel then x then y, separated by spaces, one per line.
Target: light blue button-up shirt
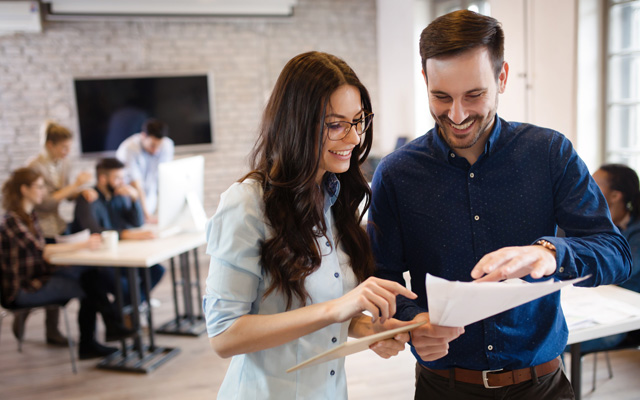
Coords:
pixel 236 285
pixel 143 167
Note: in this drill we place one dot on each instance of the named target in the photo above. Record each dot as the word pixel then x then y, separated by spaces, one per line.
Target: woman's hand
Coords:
pixel 375 295
pixel 94 242
pixel 82 178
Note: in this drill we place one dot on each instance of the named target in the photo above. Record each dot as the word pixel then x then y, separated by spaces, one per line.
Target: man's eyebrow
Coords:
pixel 467 92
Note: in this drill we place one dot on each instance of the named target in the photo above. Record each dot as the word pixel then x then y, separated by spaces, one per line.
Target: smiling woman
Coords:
pixel 290 265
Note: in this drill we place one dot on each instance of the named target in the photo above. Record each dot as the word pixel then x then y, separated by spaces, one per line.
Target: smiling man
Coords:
pixel 480 198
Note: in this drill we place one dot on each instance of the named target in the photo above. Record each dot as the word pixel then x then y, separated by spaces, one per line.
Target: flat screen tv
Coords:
pixel 112 109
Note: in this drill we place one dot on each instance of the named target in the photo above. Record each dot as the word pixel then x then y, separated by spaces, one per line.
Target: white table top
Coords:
pixel 612 292
pixel 134 253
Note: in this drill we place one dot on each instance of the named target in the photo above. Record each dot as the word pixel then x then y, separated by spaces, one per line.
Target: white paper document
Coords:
pixel 77 237
pixel 457 304
pixel 583 308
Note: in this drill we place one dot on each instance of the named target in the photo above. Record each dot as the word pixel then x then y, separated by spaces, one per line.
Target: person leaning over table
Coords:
pixel 29 280
pixel 141 154
pixel 620 187
pixel 53 165
pixel 290 265
pixel 479 198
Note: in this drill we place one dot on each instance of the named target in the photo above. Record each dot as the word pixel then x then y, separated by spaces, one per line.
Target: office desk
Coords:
pixel 578 335
pixel 133 255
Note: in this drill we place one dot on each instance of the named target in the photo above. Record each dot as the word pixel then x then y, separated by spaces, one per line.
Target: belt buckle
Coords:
pixel 485 379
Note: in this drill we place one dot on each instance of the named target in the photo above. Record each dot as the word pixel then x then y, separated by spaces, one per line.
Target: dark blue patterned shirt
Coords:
pixel 433 212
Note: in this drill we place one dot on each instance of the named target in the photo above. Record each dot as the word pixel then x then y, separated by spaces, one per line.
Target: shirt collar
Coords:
pixel 331 185
pixel 489 147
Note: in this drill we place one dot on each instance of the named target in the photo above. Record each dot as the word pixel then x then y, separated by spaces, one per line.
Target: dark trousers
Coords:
pixel 430 386
pixel 155 272
pixel 95 301
pixel 86 283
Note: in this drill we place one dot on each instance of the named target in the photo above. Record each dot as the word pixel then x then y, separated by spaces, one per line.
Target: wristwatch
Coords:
pixel 546 244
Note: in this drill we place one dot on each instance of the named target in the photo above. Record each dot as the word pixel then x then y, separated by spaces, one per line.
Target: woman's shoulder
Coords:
pixel 248 190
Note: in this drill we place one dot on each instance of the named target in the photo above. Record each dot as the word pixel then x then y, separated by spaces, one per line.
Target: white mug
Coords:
pixel 110 240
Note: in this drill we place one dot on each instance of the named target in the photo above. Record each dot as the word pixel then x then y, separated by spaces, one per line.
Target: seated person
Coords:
pixel 621 189
pixel 28 280
pixel 53 165
pixel 141 154
pixel 117 208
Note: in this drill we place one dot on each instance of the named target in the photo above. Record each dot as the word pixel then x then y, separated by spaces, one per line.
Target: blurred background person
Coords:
pixel 621 189
pixel 141 154
pixel 27 278
pixel 52 164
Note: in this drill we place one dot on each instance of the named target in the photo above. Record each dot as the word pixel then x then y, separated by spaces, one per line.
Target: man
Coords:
pixel 117 208
pixel 142 153
pixel 479 198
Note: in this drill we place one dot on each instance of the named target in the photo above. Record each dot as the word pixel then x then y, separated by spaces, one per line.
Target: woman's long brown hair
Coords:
pixel 12 195
pixel 286 160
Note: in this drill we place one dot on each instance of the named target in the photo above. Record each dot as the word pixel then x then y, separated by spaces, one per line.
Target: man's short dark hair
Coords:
pixel 459 31
pixel 155 127
pixel 106 165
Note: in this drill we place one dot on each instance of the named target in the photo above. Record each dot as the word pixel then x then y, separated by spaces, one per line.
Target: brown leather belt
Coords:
pixel 498 378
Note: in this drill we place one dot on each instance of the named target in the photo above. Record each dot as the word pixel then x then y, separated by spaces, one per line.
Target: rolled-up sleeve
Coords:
pixel 234 239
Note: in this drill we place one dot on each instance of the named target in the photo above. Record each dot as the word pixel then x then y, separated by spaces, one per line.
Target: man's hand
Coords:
pixel 515 262
pixel 432 341
pixel 127 191
pixel 390 347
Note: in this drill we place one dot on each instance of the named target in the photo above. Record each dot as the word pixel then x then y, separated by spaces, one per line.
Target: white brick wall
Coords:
pixel 244 56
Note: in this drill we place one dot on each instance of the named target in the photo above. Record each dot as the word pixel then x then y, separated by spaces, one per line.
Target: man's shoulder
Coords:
pixel 131 143
pixel 419 148
pixel 524 136
pixel 528 132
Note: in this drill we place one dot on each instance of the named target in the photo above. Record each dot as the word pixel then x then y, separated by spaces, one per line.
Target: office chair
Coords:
pixel 60 305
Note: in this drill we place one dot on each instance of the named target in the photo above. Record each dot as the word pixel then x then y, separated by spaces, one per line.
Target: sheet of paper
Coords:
pixel 583 308
pixel 353 346
pixel 457 304
pixel 77 237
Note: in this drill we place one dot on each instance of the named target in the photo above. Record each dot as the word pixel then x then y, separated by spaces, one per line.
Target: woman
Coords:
pixel 287 249
pixel 620 187
pixel 52 164
pixel 28 280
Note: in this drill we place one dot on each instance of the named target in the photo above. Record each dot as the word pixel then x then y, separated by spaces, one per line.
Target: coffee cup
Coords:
pixel 110 240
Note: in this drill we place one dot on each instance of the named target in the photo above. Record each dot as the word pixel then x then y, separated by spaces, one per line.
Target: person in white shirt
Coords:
pixel 291 267
pixel 141 154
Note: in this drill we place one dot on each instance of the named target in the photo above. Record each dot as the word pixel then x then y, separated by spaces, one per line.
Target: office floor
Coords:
pixel 42 371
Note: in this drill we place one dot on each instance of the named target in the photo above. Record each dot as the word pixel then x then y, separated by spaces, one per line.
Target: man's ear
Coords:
pixel 616 196
pixel 502 78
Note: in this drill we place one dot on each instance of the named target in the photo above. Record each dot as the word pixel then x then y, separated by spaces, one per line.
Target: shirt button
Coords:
pixel 328 244
pixel 334 339
pixel 452 155
pixel 337 275
pixel 490 347
pixel 472 175
pixel 561 269
pixel 332 372
pixel 477 217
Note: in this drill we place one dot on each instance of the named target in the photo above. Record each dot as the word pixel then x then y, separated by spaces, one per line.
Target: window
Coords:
pixel 623 84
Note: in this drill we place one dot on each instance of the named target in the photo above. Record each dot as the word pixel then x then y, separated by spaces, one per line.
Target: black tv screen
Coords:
pixel 112 109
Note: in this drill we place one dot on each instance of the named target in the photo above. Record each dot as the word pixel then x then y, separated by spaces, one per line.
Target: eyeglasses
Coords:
pixel 340 129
